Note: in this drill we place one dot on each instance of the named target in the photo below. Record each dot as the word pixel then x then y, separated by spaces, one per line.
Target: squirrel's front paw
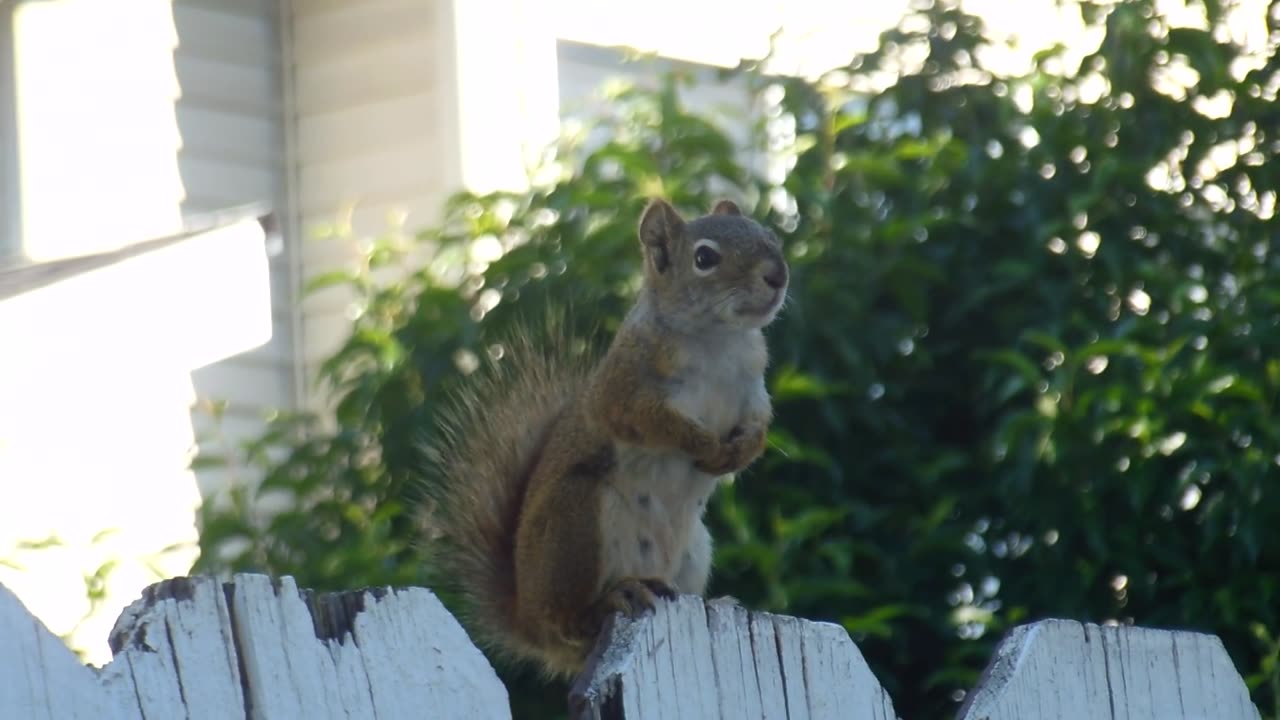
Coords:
pixel 634 597
pixel 735 452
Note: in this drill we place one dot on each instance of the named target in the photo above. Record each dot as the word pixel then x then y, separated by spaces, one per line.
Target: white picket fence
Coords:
pixel 262 648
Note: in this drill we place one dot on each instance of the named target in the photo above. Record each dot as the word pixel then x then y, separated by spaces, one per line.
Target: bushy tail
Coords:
pixel 480 457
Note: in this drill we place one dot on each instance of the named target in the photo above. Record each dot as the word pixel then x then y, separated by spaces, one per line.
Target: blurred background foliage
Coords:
pixel 1030 368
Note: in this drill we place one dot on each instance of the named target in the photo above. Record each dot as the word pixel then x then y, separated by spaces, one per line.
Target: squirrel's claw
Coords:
pixel 659 588
pixel 736 452
pixel 634 597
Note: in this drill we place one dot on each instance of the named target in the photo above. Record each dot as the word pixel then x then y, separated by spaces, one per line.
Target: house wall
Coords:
pixel 10 225
pixel 134 121
pixel 95 425
pixel 374 144
pixel 397 105
pixel 230 118
pixel 142 137
pixel 95 128
pixel 585 70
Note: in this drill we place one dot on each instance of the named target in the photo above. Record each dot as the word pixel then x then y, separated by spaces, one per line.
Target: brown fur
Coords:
pixel 567 494
pixel 482 455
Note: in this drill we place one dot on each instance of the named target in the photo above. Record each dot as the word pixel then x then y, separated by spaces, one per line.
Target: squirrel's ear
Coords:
pixel 725 207
pixel 659 225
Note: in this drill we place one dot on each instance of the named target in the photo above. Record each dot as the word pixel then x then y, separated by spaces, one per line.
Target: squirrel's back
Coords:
pixel 486 444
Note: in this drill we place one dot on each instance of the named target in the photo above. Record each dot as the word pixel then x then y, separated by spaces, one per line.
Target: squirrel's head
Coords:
pixel 720 269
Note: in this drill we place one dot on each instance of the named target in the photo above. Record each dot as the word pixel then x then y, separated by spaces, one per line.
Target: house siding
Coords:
pixel 10 220
pixel 141 119
pixel 584 70
pixel 374 136
pixel 95 426
pixel 230 113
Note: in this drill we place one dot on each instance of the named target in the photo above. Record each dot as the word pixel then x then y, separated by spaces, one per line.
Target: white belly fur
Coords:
pixel 652 512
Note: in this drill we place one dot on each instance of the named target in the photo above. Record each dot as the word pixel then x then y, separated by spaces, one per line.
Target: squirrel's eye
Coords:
pixel 705 258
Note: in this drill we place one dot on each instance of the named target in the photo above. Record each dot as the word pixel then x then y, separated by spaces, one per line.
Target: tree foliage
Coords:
pixel 1031 366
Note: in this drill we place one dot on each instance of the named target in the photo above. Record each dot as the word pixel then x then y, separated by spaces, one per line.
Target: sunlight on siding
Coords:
pixel 519 56
pixel 818 35
pixel 95 428
pixel 97 135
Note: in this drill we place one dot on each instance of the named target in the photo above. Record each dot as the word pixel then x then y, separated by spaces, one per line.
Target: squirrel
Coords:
pixel 567 492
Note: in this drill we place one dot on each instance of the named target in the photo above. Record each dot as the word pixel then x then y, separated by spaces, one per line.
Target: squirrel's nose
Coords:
pixel 775 275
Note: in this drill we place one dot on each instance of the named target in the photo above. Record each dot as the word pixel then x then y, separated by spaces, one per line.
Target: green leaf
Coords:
pixel 330 279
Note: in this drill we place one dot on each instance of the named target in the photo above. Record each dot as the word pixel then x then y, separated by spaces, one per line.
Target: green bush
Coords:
pixel 1030 367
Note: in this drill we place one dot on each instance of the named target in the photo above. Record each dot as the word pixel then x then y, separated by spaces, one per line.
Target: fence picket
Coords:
pixel 259 647
pixel 1060 669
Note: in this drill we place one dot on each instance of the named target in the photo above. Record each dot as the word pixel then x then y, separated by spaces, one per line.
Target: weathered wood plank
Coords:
pixel 262 648
pixel 41 679
pixel 701 660
pixel 254 648
pixel 1065 669
pixel 371 653
pixel 176 653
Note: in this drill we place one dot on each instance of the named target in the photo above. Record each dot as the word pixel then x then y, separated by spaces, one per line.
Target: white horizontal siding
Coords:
pixel 132 117
pixel 373 219
pixel 325 331
pixel 213 181
pixel 235 38
pixel 93 93
pixel 248 138
pixel 344 80
pixel 282 305
pixel 584 70
pixel 231 87
pixel 277 351
pixel 230 115
pixel 375 131
pixel 10 224
pixel 252 8
pixel 249 385
pixel 305 8
pixel 355 28
pixel 410 215
pixel 380 176
pixel 326 322
pixel 100 409
pixel 327 136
